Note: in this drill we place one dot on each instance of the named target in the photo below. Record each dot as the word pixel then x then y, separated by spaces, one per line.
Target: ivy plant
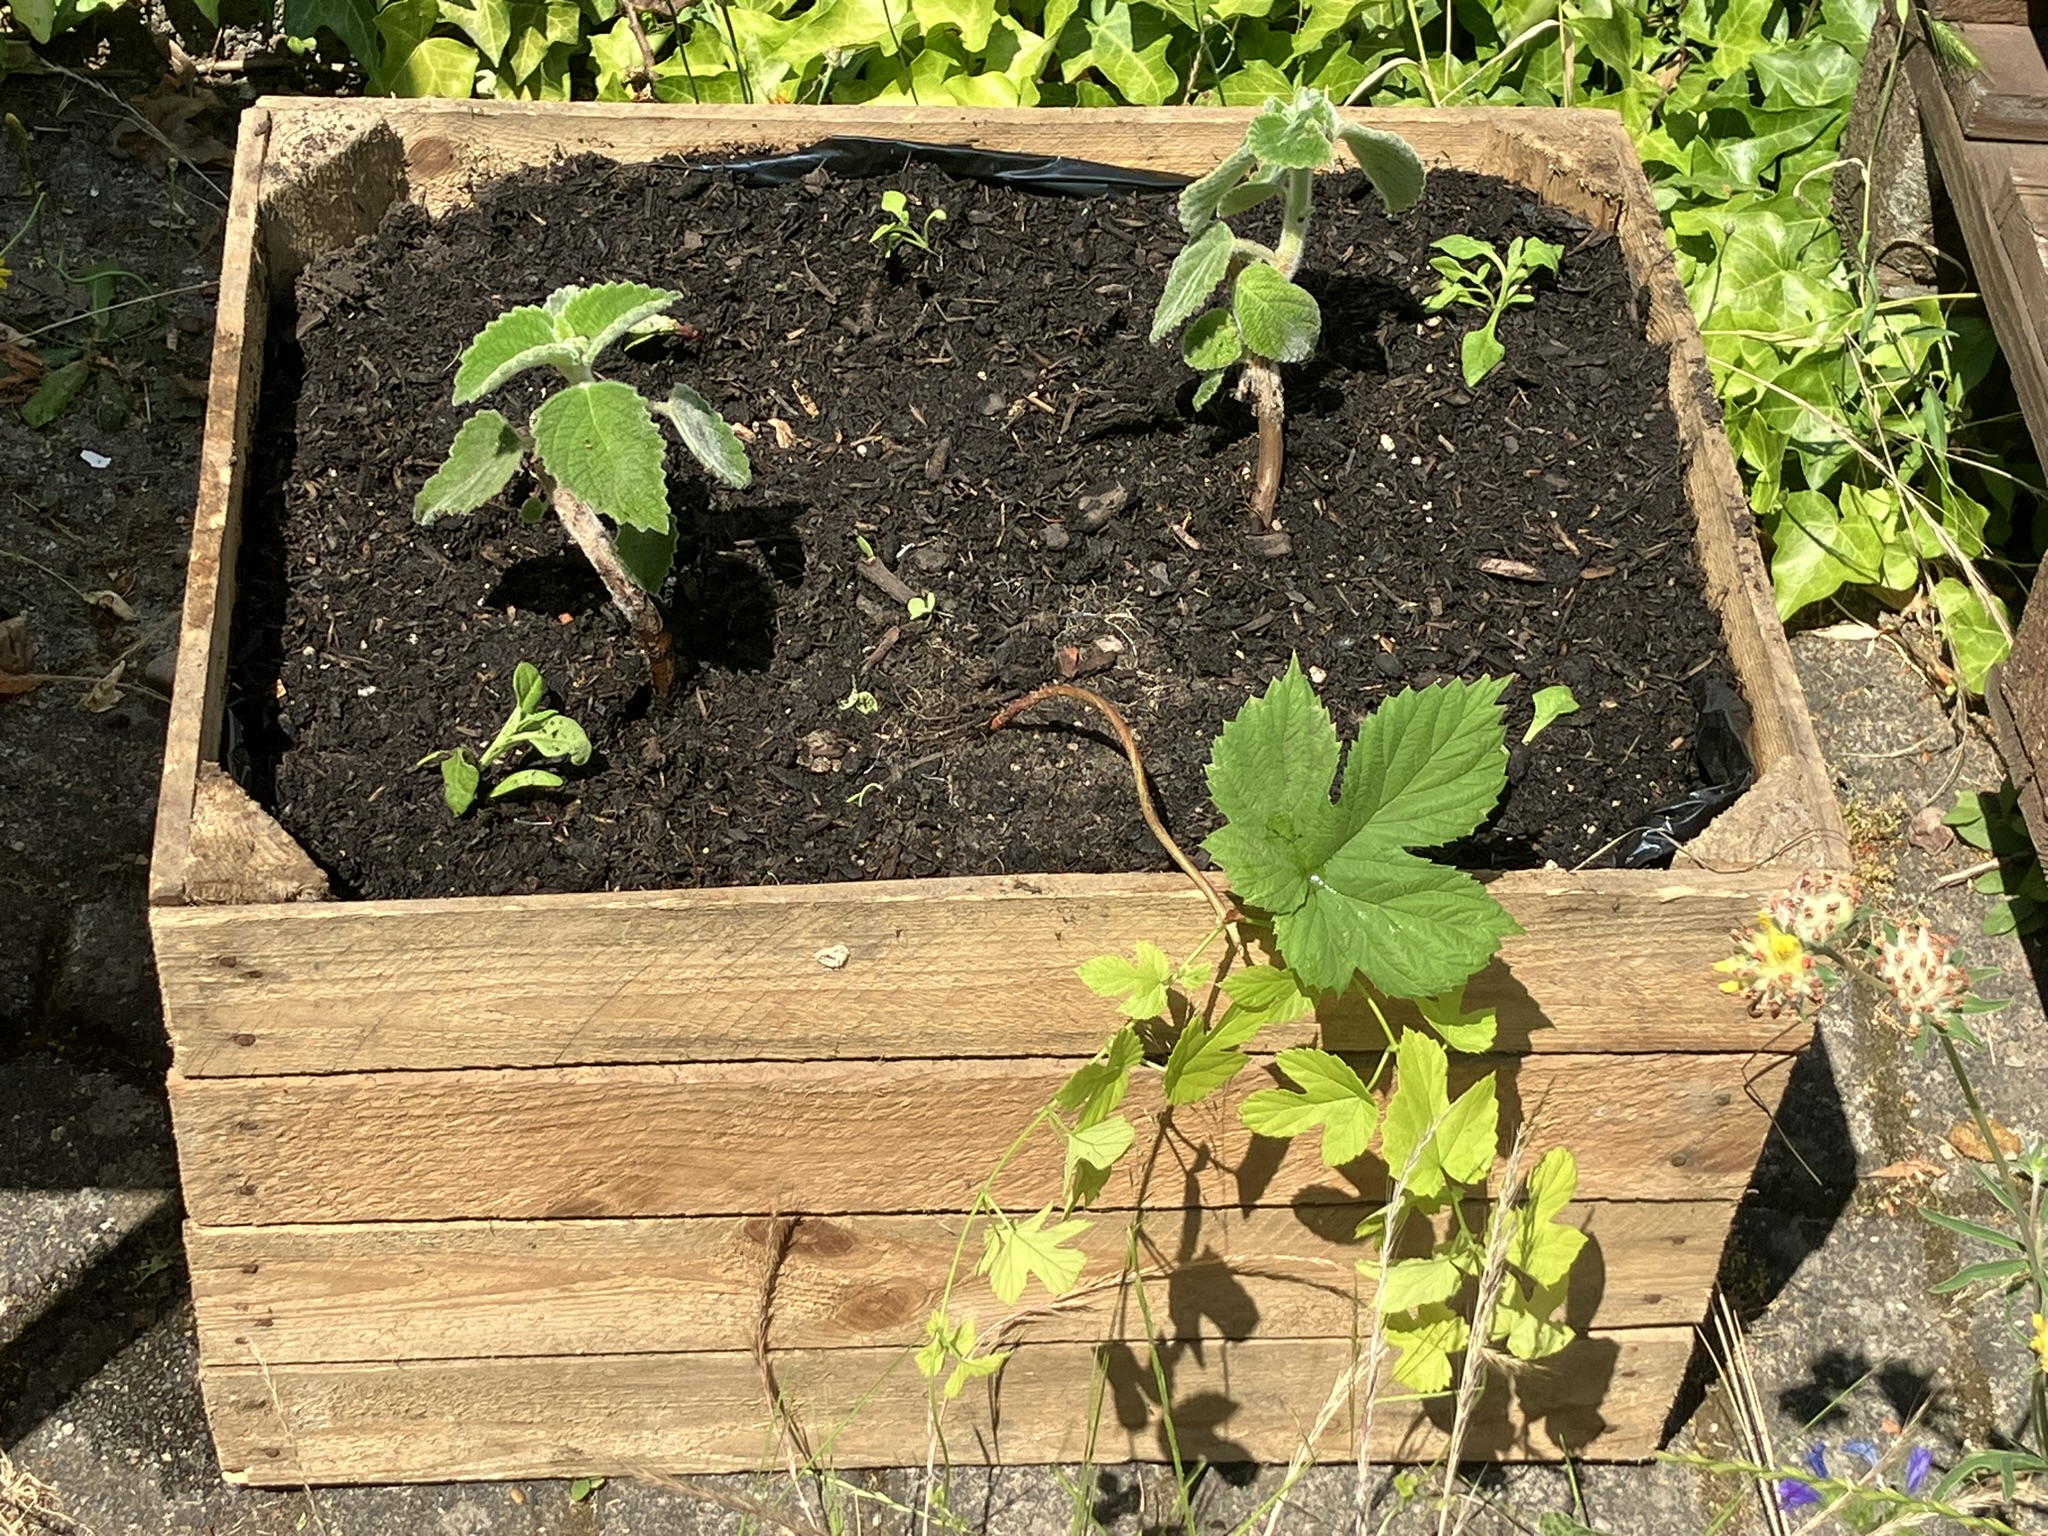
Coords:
pixel 1266 318
pixel 531 726
pixel 1475 273
pixel 592 444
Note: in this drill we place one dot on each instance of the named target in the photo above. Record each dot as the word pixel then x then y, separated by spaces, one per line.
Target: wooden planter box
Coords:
pixel 445 1224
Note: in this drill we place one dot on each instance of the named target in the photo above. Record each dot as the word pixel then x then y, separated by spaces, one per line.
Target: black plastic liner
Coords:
pixel 1721 749
pixel 856 157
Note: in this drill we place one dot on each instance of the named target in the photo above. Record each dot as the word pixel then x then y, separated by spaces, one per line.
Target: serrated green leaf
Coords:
pixel 1551 704
pixel 1420 1099
pixel 1426 1339
pixel 1389 162
pixel 1278 319
pixel 1266 994
pixel 1294 135
pixel 707 436
pixel 483 458
pixel 1978 642
pixel 1330 1096
pixel 599 442
pixel 1469 1134
pixel 599 315
pixel 1277 755
pixel 1093 1150
pixel 1206 390
pixel 1429 763
pixel 1211 344
pixel 1204 1059
pixel 1195 272
pixel 1472 1033
pixel 1016 1251
pixel 459 779
pixel 1542 1247
pixel 976 1368
pixel 1412 1283
pixel 1416 929
pixel 1098 1087
pixel 1201 198
pixel 1138 985
pixel 517 340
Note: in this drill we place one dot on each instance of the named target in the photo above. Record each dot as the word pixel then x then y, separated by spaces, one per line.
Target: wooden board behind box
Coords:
pixel 444 1225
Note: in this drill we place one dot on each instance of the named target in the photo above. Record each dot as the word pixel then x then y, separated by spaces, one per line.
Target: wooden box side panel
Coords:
pixel 299 1295
pixel 931 969
pixel 733 1139
pixel 1604 1399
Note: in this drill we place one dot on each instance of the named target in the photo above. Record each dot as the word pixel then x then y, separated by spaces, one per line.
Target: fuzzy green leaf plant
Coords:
pixel 592 444
pixel 1265 318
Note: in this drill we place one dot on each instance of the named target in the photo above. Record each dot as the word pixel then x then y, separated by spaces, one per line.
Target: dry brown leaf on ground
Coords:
pixel 1910 1168
pixel 112 602
pixel 30 1507
pixel 1969 1141
pixel 173 114
pixel 20 369
pixel 106 693
pixel 1928 833
pixel 17 663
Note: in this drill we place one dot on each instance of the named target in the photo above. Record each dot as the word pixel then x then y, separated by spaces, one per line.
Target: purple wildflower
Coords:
pixel 1863 1450
pixel 1797 1493
pixel 1918 1466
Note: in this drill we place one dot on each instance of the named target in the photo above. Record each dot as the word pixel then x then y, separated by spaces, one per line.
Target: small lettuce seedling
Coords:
pixel 1267 318
pixel 1496 290
pixel 594 446
pixel 897 229
pixel 548 732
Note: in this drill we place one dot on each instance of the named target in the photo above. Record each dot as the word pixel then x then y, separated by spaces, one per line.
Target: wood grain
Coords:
pixel 199 692
pixel 742 1139
pixel 1604 1398
pixel 936 968
pixel 439 1290
pixel 2006 98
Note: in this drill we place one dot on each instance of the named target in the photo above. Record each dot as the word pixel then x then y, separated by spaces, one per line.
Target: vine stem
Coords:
pixel 1117 723
pixel 627 595
pixel 1269 411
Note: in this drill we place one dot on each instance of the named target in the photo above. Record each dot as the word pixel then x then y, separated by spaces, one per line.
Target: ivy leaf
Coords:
pixel 1015 1251
pixel 1472 1033
pixel 1278 319
pixel 1413 1283
pixel 1212 343
pixel 481 461
pixel 1979 643
pixel 517 340
pixel 1195 272
pixel 599 315
pixel 1544 1248
pixel 708 437
pixel 600 443
pixel 488 23
pixel 1389 163
pixel 1203 1059
pixel 1140 72
pixel 1330 1095
pixel 1140 984
pixel 1098 1087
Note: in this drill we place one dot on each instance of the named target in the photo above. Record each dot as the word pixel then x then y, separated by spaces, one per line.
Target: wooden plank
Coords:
pixel 1976 174
pixel 742 1139
pixel 442 1290
pixel 2006 97
pixel 1604 1398
pixel 1997 12
pixel 199 693
pixel 936 968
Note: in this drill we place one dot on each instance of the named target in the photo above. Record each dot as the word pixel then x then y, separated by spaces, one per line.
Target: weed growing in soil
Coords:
pixel 1551 704
pixel 1269 319
pixel 594 445
pixel 547 732
pixel 1320 857
pixel 898 230
pixel 1474 272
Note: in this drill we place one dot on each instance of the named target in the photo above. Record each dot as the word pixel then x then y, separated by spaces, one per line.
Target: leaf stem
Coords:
pixel 1117 723
pixel 1269 410
pixel 638 605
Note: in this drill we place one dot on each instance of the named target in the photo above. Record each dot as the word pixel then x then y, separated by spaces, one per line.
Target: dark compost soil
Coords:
pixel 970 416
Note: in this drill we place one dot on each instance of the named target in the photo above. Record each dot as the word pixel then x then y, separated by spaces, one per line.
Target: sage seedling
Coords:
pixel 897 229
pixel 546 732
pixel 1267 318
pixel 1496 287
pixel 593 443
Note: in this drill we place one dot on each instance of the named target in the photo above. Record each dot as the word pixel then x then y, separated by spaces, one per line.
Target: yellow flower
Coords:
pixel 2039 1343
pixel 1772 969
pixel 4 274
